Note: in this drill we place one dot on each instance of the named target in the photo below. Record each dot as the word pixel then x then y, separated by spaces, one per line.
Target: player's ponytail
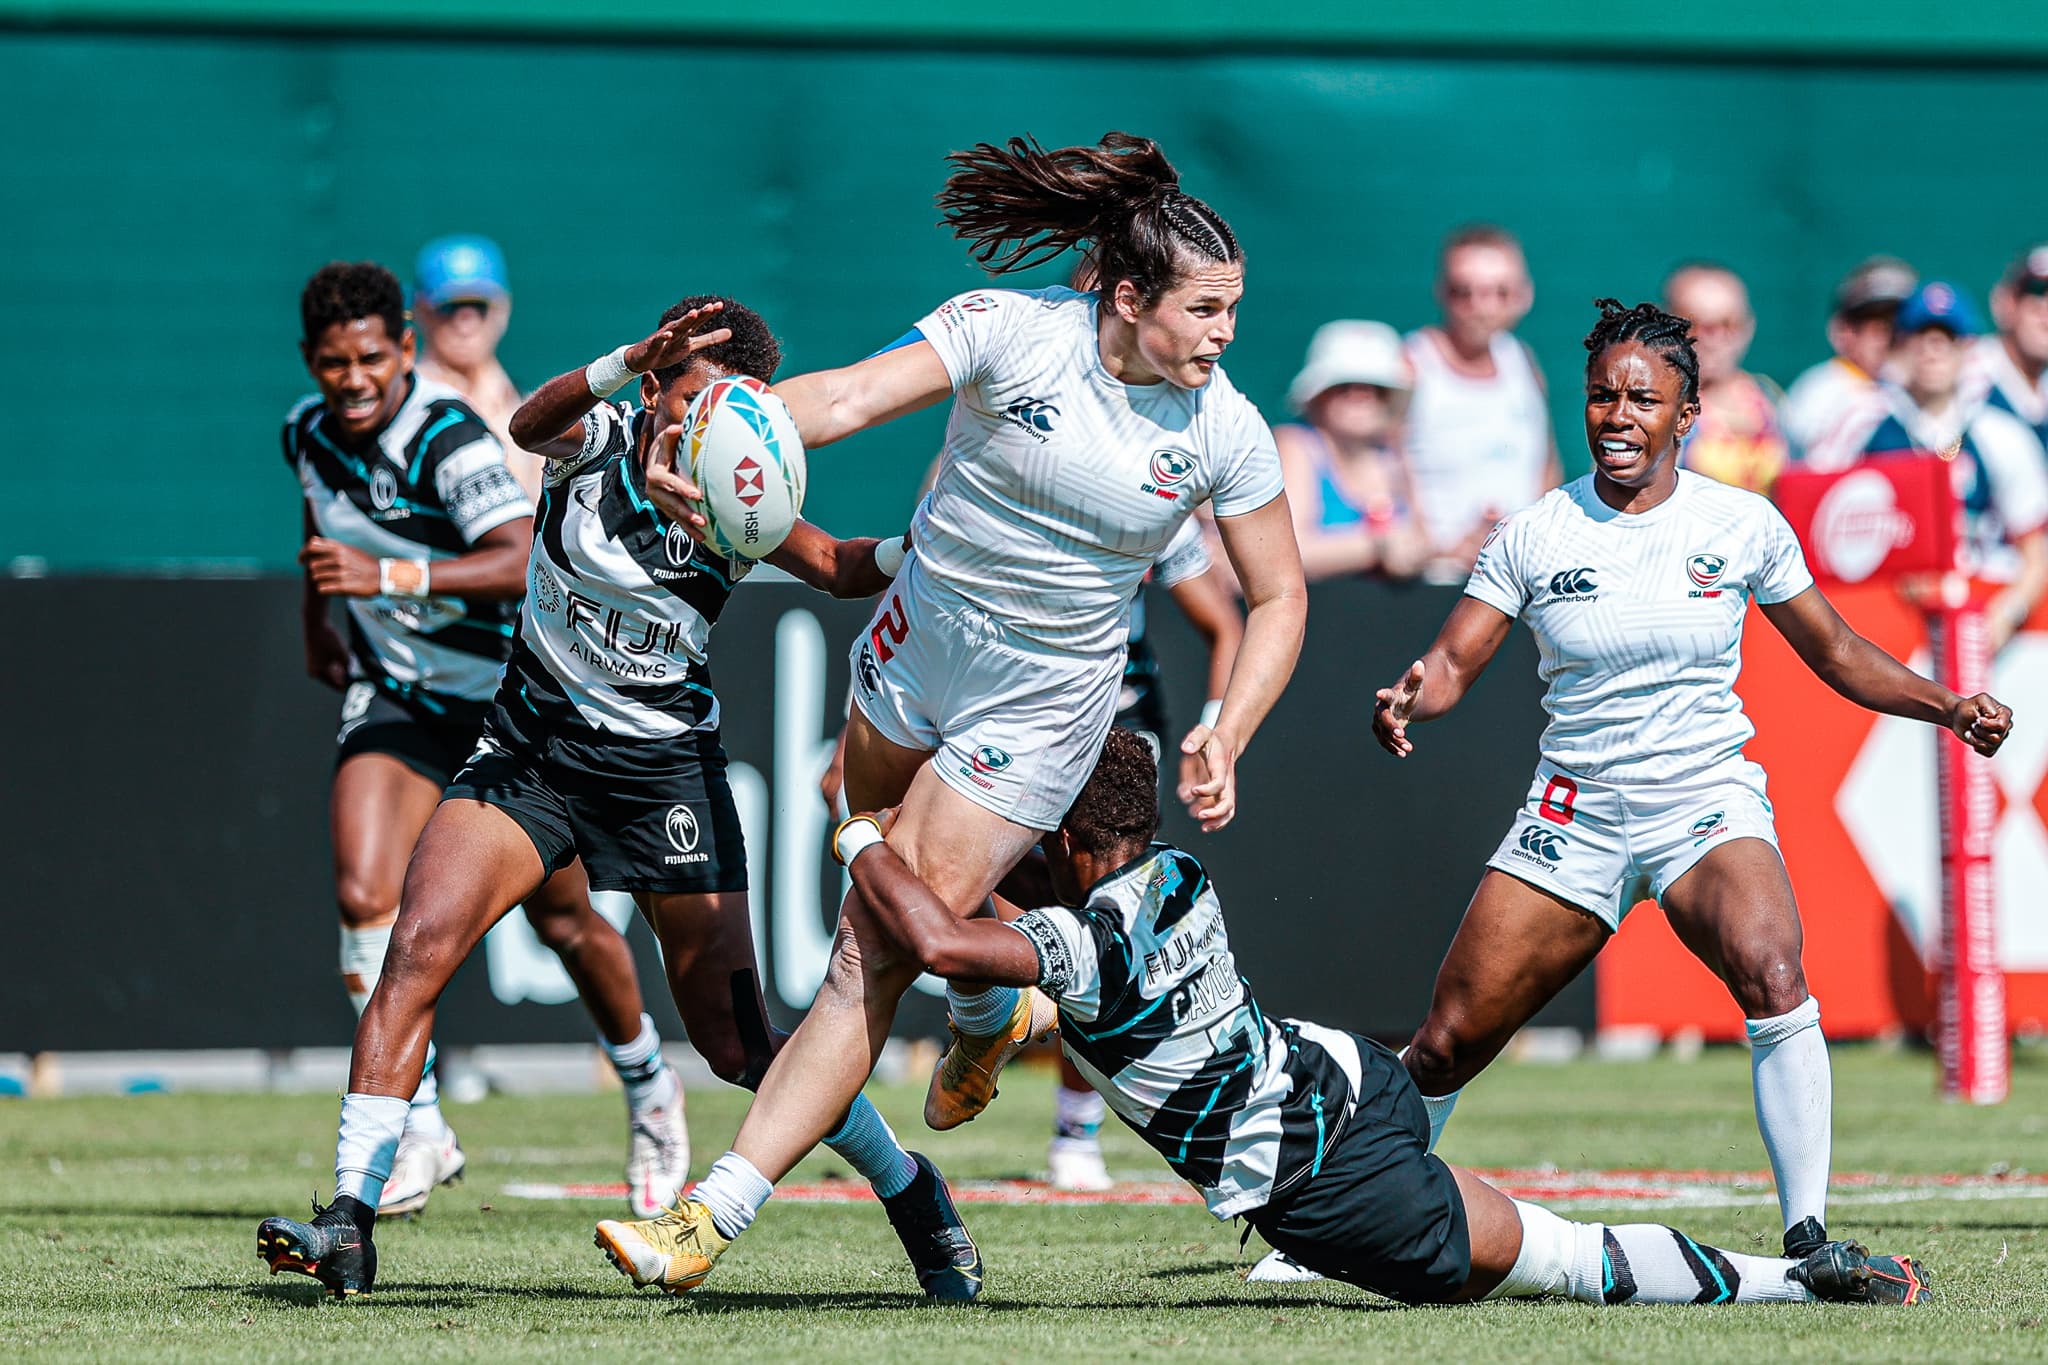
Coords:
pixel 1669 335
pixel 1020 205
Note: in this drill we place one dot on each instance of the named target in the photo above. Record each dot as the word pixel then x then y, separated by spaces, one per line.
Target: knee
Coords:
pixel 1441 1057
pixel 364 897
pixel 559 929
pixel 736 1060
pixel 1767 981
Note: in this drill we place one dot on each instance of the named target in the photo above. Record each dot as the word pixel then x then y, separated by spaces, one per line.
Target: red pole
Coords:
pixel 1970 1019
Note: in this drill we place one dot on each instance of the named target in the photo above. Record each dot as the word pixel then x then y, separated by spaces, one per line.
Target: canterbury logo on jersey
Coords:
pixel 1541 845
pixel 1034 416
pixel 1573 583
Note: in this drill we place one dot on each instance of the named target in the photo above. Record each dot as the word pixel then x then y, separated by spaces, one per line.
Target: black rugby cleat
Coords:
pixel 335 1248
pixel 941 1251
pixel 1844 1272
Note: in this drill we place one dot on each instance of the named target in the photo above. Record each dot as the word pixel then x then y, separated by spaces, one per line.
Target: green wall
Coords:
pixel 166 193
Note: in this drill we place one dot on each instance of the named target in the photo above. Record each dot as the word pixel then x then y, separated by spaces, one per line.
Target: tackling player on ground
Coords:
pixel 1314 1136
pixel 1085 429
pixel 603 744
pixel 1636 580
pixel 414 522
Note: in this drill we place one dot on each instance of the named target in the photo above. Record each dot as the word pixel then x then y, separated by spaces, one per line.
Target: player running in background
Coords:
pixel 603 744
pixel 1314 1136
pixel 414 523
pixel 1635 580
pixel 1085 429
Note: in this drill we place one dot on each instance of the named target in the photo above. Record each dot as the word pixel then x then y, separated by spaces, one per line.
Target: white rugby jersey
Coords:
pixel 432 485
pixel 1829 412
pixel 1477 448
pixel 619 602
pixel 1154 1014
pixel 1059 486
pixel 1638 619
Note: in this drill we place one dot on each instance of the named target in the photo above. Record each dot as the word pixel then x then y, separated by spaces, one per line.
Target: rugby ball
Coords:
pixel 740 446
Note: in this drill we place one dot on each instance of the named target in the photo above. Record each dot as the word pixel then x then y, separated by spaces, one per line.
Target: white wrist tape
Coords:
pixel 853 836
pixel 889 556
pixel 388 588
pixel 1210 710
pixel 607 374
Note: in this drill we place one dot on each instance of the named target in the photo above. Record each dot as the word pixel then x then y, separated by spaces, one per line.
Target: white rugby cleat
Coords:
pixel 657 1157
pixel 1278 1267
pixel 1076 1165
pixel 421 1164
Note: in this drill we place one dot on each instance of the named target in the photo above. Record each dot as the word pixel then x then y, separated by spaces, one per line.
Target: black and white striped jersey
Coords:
pixel 430 487
pixel 620 602
pixel 1153 1012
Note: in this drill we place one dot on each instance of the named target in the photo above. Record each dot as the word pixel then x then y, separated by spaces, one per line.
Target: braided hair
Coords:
pixel 1020 205
pixel 1119 803
pixel 342 291
pixel 1650 327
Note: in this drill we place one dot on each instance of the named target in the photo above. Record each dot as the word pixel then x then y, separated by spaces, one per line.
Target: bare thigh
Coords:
pixel 707 948
pixel 1516 948
pixel 1735 911
pixel 878 771
pixel 377 810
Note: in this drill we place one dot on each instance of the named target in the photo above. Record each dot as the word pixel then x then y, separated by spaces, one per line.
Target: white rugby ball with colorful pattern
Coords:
pixel 740 446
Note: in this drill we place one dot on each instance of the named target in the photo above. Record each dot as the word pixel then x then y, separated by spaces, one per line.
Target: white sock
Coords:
pixel 1650 1263
pixel 424 1118
pixel 648 1081
pixel 1440 1107
pixel 362 962
pixel 868 1145
pixel 734 1191
pixel 1550 1247
pixel 982 1013
pixel 368 1141
pixel 1077 1116
pixel 1788 1065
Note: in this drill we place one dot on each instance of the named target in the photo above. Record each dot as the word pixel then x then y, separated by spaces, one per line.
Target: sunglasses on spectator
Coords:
pixel 1467 292
pixel 450 309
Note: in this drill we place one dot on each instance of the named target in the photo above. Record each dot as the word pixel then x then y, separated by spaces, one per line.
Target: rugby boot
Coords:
pixel 1844 1272
pixel 1277 1267
pixel 419 1166
pixel 942 1253
pixel 673 1252
pixel 657 1158
pixel 1804 1238
pixel 335 1248
pixel 964 1081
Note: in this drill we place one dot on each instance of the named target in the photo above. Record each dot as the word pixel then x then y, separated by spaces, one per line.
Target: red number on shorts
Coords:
pixel 893 623
pixel 1555 811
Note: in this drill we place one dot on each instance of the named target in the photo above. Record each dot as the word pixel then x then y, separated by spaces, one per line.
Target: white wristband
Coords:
pixel 388 588
pixel 889 556
pixel 607 374
pixel 854 835
pixel 1210 710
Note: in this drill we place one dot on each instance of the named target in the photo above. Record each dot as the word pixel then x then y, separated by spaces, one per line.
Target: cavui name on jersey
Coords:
pixel 1204 993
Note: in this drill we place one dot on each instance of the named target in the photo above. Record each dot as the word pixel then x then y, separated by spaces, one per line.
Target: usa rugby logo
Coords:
pixel 1707 826
pixel 682 828
pixel 989 759
pixel 1171 466
pixel 1705 571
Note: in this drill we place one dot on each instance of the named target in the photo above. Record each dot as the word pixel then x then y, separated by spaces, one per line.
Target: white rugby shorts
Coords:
pixel 1011 726
pixel 1606 847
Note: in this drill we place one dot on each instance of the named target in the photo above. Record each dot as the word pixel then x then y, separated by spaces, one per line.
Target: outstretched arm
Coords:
pixel 979 950
pixel 550 423
pixel 1437 681
pixel 1874 680
pixel 832 405
pixel 844 568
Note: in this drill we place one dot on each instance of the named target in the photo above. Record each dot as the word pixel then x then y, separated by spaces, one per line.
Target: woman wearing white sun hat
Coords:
pixel 1347 479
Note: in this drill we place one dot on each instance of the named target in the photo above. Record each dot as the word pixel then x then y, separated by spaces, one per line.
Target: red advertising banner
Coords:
pixel 1889 516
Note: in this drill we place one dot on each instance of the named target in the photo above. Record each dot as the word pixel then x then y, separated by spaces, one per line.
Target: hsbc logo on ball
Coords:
pixel 1858 524
pixel 748 483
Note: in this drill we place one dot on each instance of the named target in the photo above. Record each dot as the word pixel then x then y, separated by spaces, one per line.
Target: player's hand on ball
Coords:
pixel 1391 709
pixel 1982 722
pixel 339 570
pixel 680 500
pixel 1211 795
pixel 675 342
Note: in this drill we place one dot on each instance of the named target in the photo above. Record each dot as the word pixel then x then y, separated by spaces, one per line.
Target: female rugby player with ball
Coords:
pixel 603 745
pixel 1085 428
pixel 1635 580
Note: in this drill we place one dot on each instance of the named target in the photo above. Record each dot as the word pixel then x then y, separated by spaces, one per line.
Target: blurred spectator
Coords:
pixel 1737 438
pixel 2001 474
pixel 1831 410
pixel 1478 434
pixel 1347 482
pixel 2007 370
pixel 462 303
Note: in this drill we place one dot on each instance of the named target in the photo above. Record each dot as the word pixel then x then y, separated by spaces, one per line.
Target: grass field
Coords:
pixel 127 1230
